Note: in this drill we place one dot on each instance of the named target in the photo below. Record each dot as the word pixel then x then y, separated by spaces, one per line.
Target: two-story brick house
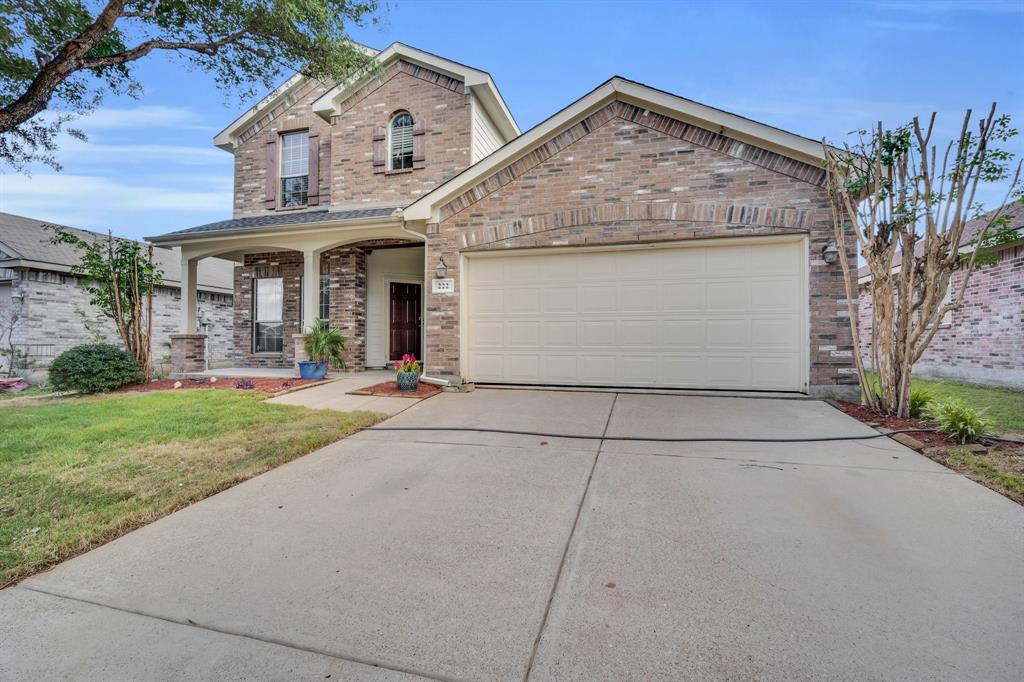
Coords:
pixel 634 238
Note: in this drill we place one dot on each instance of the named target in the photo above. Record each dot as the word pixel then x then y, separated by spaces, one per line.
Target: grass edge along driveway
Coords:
pixel 77 473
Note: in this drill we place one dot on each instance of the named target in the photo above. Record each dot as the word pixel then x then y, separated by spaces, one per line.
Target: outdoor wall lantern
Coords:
pixel 830 253
pixel 442 268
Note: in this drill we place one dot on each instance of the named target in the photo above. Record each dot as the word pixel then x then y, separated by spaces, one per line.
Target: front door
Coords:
pixel 405 320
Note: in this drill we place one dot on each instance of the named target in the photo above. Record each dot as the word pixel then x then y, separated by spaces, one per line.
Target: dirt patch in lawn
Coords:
pixel 872 418
pixel 390 388
pixel 272 386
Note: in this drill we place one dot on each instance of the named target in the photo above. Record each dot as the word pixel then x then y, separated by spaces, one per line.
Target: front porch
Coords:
pixel 368 285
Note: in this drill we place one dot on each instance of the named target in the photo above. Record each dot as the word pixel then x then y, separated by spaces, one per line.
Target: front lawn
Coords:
pixel 77 473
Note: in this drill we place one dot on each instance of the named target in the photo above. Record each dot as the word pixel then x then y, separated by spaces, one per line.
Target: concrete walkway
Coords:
pixel 460 555
pixel 335 395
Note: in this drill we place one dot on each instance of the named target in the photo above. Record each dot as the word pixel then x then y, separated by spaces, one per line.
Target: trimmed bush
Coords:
pixel 94 368
pixel 919 400
pixel 954 418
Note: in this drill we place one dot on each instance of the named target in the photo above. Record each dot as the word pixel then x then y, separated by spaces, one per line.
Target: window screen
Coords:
pixel 401 141
pixel 268 327
pixel 294 169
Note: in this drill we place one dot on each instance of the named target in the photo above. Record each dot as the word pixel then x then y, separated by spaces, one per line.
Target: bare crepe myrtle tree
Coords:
pixel 119 275
pixel 897 193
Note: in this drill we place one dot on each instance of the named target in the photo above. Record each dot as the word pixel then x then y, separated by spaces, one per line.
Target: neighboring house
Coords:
pixel 634 238
pixel 54 313
pixel 983 341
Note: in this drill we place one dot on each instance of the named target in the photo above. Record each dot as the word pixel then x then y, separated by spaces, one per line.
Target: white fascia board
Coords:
pixel 225 139
pixel 764 136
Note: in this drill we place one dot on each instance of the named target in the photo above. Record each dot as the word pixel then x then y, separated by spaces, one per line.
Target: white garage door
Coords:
pixel 726 316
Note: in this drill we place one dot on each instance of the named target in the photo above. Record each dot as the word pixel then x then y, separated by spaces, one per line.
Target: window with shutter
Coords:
pixel 401 141
pixel 294 169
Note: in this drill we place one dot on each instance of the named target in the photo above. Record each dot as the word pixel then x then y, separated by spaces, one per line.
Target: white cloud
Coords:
pixel 73 150
pixel 98 203
pixel 146 116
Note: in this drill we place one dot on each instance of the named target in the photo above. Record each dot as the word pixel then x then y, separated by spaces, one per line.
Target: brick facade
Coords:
pixel 288 266
pixel 346 174
pixel 983 341
pixel 625 175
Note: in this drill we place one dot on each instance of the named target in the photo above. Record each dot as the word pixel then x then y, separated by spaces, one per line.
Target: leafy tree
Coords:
pixel 119 275
pixel 65 54
pixel 896 193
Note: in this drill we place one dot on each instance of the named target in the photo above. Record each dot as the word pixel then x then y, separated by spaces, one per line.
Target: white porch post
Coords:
pixel 310 286
pixel 188 294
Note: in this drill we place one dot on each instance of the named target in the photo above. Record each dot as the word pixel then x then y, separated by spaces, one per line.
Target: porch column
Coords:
pixel 188 349
pixel 310 286
pixel 189 301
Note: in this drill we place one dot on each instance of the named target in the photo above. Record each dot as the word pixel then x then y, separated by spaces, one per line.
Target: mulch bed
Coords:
pixel 872 418
pixel 390 388
pixel 273 386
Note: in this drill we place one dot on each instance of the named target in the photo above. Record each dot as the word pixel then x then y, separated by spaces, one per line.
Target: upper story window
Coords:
pixel 294 169
pixel 401 141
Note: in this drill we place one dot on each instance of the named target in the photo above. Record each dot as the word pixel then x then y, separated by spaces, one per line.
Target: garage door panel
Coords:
pixel 560 334
pixel 683 334
pixel 638 334
pixel 683 297
pixel 731 295
pixel 722 316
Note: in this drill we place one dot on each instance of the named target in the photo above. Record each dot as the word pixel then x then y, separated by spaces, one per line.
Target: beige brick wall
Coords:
pixel 437 101
pixel 346 174
pixel 625 175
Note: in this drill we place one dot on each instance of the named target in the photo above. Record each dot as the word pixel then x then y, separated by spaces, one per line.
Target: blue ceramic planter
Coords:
pixel 407 381
pixel 312 370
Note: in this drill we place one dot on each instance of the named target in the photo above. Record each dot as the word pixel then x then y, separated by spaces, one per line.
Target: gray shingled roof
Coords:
pixel 290 218
pixel 27 240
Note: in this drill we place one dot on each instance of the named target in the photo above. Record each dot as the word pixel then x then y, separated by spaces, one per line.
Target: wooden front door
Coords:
pixel 405 320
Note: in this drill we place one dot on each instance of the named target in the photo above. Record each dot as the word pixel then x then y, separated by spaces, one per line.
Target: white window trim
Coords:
pixel 282 176
pixel 390 148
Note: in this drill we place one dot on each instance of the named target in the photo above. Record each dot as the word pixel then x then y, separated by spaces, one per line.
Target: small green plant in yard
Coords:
pixel 955 418
pixel 919 400
pixel 77 472
pixel 94 368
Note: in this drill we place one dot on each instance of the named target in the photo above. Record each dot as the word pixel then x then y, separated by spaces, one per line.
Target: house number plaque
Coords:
pixel 442 286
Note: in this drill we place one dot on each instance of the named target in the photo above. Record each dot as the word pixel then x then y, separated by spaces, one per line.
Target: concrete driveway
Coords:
pixel 405 555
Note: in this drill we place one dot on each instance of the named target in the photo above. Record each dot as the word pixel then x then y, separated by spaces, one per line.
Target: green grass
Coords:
pixel 1004 406
pixel 30 392
pixel 1001 471
pixel 75 473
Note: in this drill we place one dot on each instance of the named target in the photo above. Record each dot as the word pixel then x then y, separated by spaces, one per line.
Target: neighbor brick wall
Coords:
pixel 54 304
pixel 625 175
pixel 984 341
pixel 438 102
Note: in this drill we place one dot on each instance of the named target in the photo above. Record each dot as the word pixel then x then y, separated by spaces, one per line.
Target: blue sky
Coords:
pixel 814 68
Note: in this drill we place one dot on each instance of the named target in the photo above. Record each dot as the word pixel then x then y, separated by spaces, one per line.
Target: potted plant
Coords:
pixel 323 345
pixel 407 372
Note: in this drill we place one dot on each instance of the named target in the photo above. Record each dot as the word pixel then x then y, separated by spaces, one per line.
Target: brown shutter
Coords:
pixel 380 152
pixel 313 185
pixel 418 138
pixel 270 200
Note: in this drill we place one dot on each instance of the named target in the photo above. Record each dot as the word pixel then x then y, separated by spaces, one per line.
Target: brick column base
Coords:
pixel 188 354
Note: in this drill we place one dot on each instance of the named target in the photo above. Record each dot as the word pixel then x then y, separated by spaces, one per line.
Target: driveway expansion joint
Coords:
pixel 188 622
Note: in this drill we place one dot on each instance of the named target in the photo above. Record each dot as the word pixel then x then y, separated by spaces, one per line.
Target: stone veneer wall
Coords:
pixel 627 175
pixel 52 303
pixel 984 340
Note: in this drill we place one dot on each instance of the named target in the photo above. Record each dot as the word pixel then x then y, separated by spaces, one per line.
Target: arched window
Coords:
pixel 401 141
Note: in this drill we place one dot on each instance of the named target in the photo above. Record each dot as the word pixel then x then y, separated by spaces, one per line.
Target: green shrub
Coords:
pixel 954 418
pixel 919 400
pixel 94 368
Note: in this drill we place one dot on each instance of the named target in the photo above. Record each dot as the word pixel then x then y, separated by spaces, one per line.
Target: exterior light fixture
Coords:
pixel 830 253
pixel 442 268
